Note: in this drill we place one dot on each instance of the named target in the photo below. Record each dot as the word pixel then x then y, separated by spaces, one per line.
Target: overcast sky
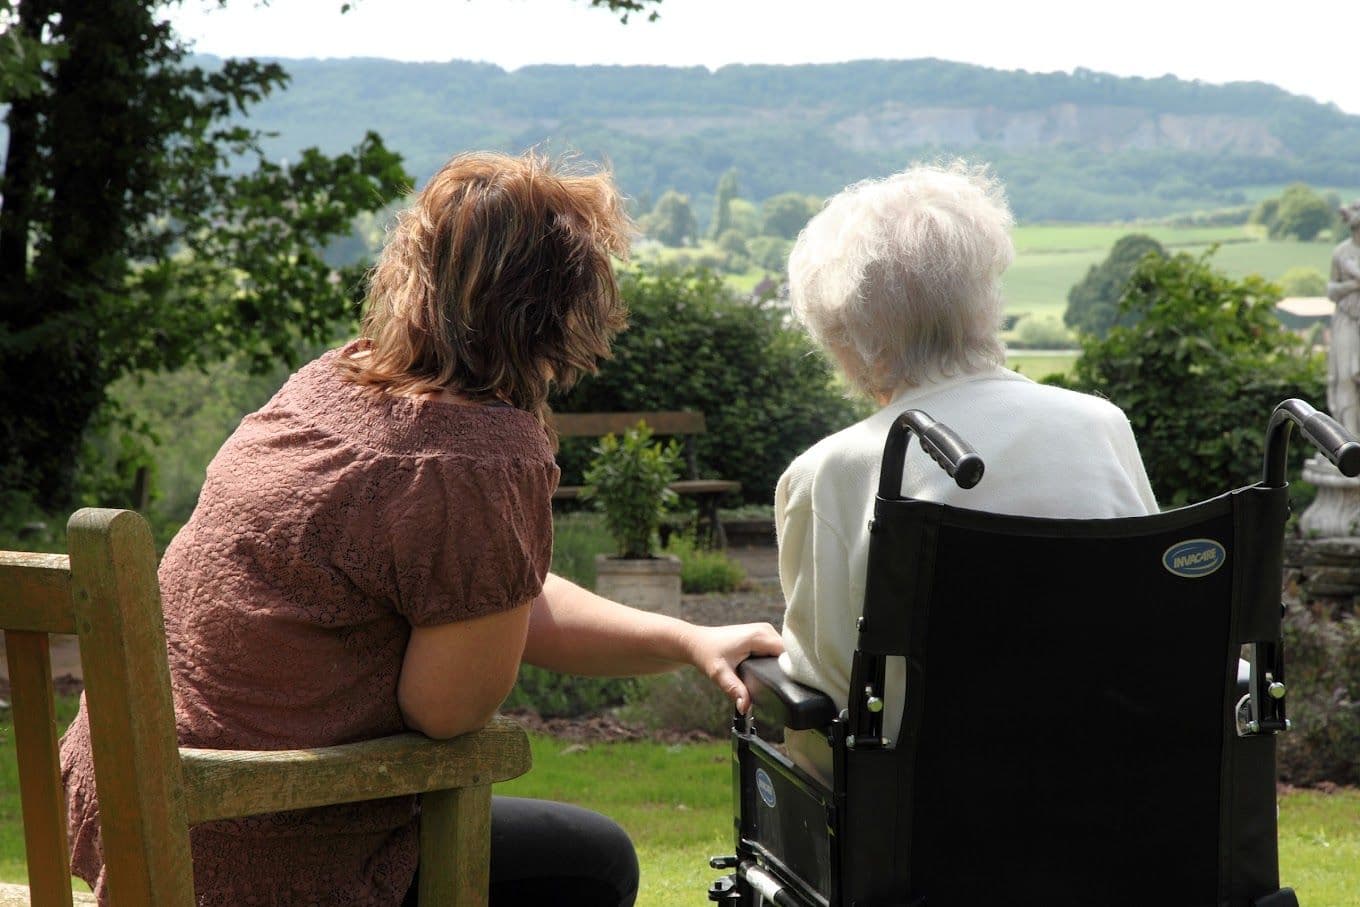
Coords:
pixel 1305 46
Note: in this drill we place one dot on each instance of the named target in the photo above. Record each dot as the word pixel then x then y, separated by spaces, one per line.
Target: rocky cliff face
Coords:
pixel 1102 128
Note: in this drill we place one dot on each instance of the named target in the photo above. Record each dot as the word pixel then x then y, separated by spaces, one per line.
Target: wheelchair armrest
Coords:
pixel 782 701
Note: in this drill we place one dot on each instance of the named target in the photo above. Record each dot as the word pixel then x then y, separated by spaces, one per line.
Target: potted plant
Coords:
pixel 628 481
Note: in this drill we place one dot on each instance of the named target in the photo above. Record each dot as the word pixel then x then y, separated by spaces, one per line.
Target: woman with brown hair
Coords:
pixel 370 552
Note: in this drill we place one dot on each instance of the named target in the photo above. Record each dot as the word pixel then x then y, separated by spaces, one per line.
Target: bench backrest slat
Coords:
pixel 579 425
pixel 35 592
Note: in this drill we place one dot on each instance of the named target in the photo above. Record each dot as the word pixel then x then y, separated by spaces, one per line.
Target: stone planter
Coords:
pixel 652 584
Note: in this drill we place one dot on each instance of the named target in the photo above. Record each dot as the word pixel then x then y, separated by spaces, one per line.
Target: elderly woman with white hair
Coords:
pixel 899 280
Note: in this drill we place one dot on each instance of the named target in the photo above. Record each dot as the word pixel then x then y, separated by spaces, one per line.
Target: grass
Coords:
pixel 675 802
pixel 1039 364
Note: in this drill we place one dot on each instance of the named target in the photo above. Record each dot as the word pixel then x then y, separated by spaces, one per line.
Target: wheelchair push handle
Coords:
pixel 955 455
pixel 1337 445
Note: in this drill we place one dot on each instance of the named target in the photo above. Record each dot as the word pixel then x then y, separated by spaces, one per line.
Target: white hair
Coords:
pixel 898 278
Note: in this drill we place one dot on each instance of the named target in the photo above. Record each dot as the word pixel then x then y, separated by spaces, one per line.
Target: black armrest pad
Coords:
pixel 779 700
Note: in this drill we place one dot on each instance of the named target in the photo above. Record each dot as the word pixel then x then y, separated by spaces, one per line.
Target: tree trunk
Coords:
pixel 100 146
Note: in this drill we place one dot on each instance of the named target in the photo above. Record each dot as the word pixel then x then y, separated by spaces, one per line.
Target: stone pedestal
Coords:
pixel 651 584
pixel 1335 513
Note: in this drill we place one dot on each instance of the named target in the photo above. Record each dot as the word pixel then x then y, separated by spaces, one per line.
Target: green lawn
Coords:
pixel 675 801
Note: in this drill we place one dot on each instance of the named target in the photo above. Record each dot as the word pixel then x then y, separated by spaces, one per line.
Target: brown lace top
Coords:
pixel 330 522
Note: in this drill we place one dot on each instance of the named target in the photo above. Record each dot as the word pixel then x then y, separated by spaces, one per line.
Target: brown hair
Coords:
pixel 496 283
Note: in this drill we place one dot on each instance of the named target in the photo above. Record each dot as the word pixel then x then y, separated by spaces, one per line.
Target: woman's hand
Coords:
pixel 716 651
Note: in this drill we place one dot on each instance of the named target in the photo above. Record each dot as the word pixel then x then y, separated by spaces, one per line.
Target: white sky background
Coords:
pixel 1305 46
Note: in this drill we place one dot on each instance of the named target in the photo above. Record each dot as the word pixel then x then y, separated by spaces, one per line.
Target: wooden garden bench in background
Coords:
pixel 680 424
pixel 150 789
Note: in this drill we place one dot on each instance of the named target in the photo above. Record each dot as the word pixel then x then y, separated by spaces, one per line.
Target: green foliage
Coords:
pixel 1093 304
pixel 1324 699
pixel 142 228
pixel 671 222
pixel 770 252
pixel 577 538
pixel 1043 332
pixel 678 702
pixel 704 570
pixel 554 695
pixel 1303 281
pixel 744 217
pixel 692 345
pixel 722 205
pixel 627 480
pixel 1198 372
pixel 785 214
pixel 1299 212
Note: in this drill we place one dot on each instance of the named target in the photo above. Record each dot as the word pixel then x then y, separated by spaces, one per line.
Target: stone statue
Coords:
pixel 1343 361
pixel 1335 513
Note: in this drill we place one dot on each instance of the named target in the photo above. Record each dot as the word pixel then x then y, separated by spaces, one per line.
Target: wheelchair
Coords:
pixel 1090 711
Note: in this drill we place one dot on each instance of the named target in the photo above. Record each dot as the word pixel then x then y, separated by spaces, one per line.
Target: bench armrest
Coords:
pixel 224 784
pixel 781 701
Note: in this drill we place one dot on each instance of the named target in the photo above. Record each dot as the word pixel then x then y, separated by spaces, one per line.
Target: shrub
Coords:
pixel 1323 670
pixel 577 538
pixel 679 701
pixel 1198 373
pixel 1043 333
pixel 765 395
pixel 555 695
pixel 627 480
pixel 704 570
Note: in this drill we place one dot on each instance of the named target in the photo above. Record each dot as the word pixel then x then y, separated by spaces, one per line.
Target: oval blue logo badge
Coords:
pixel 1194 558
pixel 765 786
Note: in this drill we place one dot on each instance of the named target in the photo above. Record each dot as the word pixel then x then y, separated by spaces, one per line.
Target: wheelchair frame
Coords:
pixel 811 856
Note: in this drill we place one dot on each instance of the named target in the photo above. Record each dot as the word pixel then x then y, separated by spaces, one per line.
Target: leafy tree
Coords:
pixel 745 217
pixel 1093 303
pixel 692 344
pixel 770 252
pixel 1302 214
pixel 722 205
pixel 733 243
pixel 785 214
pixel 1198 370
pixel 142 227
pixel 1298 212
pixel 130 238
pixel 1303 281
pixel 671 222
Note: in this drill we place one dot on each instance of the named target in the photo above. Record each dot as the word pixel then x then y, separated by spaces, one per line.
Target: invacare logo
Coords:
pixel 1194 558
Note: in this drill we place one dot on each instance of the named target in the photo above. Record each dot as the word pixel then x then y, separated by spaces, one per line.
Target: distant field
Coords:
pixel 1050 258
pixel 1039 364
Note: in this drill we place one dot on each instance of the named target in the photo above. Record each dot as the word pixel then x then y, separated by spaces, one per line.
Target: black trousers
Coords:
pixel 553 853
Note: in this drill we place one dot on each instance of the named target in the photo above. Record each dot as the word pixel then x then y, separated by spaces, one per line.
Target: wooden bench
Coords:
pixel 151 789
pixel 673 423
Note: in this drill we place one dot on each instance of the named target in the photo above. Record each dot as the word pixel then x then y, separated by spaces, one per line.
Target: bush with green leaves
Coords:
pixel 693 344
pixel 702 569
pixel 1323 668
pixel 1198 373
pixel 1043 332
pixel 554 695
pixel 627 480
pixel 680 702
